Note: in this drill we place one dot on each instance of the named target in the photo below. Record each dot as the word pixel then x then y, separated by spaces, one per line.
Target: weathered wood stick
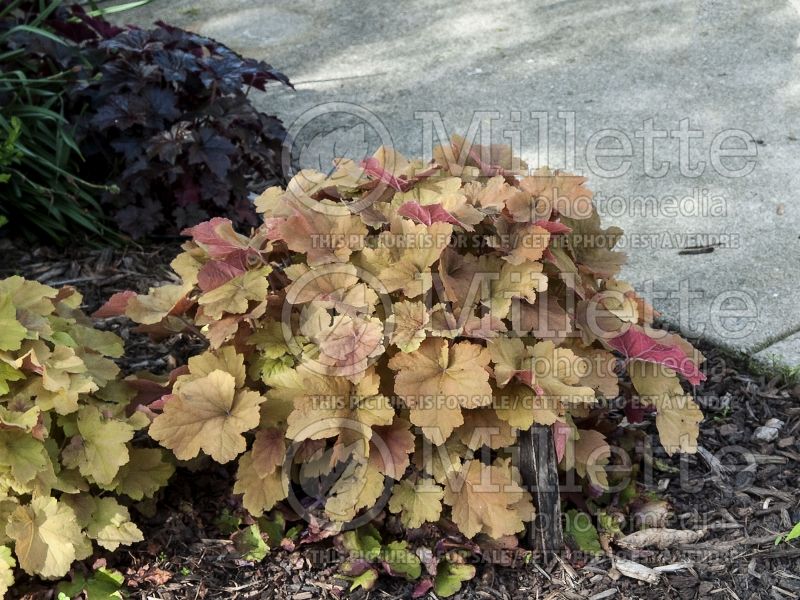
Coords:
pixel 539 470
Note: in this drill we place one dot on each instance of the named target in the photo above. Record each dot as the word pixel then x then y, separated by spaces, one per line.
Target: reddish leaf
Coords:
pixel 149 391
pixel 65 292
pixel 636 344
pixel 217 237
pixel 373 167
pixel 422 588
pixel 216 273
pixel 635 411
pixel 432 213
pixel 115 306
pixel 552 226
pixel 561 433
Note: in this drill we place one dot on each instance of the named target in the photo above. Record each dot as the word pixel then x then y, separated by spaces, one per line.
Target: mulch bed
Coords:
pixel 743 498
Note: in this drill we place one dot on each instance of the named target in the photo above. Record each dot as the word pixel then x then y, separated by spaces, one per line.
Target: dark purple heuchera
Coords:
pixel 165 115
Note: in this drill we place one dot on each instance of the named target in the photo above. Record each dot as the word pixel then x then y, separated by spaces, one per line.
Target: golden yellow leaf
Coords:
pixel 325 231
pixel 483 427
pixel 12 331
pixel 110 525
pixel 225 359
pixel 591 453
pixel 390 447
pixel 508 356
pixel 494 194
pixel 207 414
pixel 441 461
pixel 260 494
pixel 557 371
pixel 678 417
pixel 157 304
pixel 269 451
pixel 234 296
pixel 510 281
pixel 484 499
pixel 521 243
pixel 565 192
pixel 404 255
pixel 408 321
pixel 437 380
pixel 326 407
pixel 145 473
pixel 359 487
pixel 24 455
pixel 417 503
pixel 521 407
pixel 7 564
pixel 101 449
pixel 45 534
pixel 678 422
pixel 29 296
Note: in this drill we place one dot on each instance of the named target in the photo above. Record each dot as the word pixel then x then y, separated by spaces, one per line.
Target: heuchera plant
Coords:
pixel 166 115
pixel 377 344
pixel 68 463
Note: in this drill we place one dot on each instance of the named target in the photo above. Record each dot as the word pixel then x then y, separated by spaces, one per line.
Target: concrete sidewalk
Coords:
pixel 715 65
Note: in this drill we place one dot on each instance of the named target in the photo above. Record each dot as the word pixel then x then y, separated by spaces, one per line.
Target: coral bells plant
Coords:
pixel 68 463
pixel 378 343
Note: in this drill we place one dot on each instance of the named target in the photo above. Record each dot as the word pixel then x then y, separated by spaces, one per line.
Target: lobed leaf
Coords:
pixel 207 414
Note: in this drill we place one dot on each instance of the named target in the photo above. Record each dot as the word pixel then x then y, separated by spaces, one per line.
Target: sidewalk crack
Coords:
pixel 772 340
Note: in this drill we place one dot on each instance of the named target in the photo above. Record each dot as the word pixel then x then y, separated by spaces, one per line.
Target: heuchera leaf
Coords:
pixel 7 564
pixel 390 447
pixel 592 246
pixel 359 488
pixel 104 584
pixel 100 450
pixel 23 454
pixel 260 493
pixel 210 415
pixel 561 435
pixel 677 415
pixel 373 167
pixel 235 295
pixel 409 320
pixel 249 543
pixel 145 473
pixel 591 452
pixel 417 503
pixel 114 306
pixel 156 305
pixel 110 525
pixel 634 343
pixel 399 560
pixel 218 238
pixel 45 535
pixel 437 380
pixel 427 215
pixel 514 281
pixel 216 273
pixel 582 532
pixel 484 499
pixel 450 576
pixel 365 580
pixel 11 331
pixel 269 450
pixel 8 374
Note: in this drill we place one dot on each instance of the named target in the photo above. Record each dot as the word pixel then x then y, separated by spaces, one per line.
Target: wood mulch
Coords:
pixel 742 493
